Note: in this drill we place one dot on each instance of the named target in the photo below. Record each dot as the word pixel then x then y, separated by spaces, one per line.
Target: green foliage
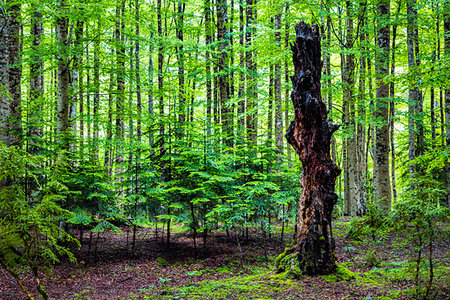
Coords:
pixel 29 219
pixel 162 262
pixel 373 224
pixel 419 215
pixel 372 259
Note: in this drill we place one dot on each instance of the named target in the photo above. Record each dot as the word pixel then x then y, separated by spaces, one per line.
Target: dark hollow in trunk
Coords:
pixel 310 134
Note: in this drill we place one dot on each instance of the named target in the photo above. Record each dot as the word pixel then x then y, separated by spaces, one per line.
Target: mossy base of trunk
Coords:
pixel 294 265
pixel 287 263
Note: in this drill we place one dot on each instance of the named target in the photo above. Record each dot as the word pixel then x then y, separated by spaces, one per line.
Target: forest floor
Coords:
pixel 232 268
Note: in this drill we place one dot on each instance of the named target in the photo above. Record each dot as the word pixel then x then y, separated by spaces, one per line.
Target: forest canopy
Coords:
pixel 174 112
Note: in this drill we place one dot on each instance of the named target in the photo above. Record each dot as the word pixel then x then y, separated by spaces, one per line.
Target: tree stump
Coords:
pixel 310 134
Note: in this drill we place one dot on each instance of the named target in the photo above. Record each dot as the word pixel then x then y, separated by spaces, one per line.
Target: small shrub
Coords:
pixel 371 259
pixel 30 235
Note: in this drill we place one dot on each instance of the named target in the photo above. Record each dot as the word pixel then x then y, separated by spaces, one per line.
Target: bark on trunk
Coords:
pixel 138 74
pixel 62 124
pixel 349 82
pixel 447 92
pixel 250 78
pixel 10 76
pixel 120 60
pixel 208 40
pixel 310 134
pixel 181 77
pixel 150 99
pixel 361 206
pixel 277 88
pixel 412 93
pixel 270 110
pixel 160 80
pixel 241 104
pixel 80 33
pixel 382 183
pixel 36 85
pixel 4 101
pixel 286 78
pixel 224 89
pixel 392 105
pixel 15 76
pixel 96 116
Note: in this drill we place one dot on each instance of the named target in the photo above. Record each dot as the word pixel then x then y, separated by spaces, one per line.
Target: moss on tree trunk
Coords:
pixel 309 134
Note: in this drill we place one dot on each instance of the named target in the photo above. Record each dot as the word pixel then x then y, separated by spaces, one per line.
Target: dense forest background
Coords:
pixel 177 110
pixel 151 112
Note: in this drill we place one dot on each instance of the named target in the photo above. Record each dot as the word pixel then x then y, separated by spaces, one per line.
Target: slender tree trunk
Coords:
pixel 10 75
pixel 131 136
pixel 392 104
pixel 109 128
pixel 447 91
pixel 208 40
pixel 420 147
pixel 96 116
pixel 150 99
pixel 412 93
pixel 310 134
pixel 346 162
pixel 441 100
pixel 181 5
pixel 250 78
pixel 241 104
pixel 231 83
pixel 79 34
pixel 138 76
pixel 120 97
pixel 361 206
pixel 160 80
pixel 35 106
pixel 88 100
pixel 270 110
pixel 254 72
pixel 286 78
pixel 382 184
pixel 277 88
pixel 62 124
pixel 224 88
pixel 4 100
pixel 75 78
pixel 15 75
pixel 349 82
pixel 370 131
pixel 432 89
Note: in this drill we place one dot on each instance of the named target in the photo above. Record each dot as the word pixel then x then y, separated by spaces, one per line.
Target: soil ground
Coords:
pixel 231 267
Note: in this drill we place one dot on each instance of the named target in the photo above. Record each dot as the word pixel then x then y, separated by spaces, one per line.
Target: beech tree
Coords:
pixel 62 31
pixel 35 105
pixel 10 75
pixel 382 183
pixel 447 91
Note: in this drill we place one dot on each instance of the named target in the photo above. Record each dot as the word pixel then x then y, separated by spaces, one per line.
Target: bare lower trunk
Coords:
pixel 310 134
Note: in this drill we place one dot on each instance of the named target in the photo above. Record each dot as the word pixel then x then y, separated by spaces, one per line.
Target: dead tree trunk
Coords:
pixel 310 134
